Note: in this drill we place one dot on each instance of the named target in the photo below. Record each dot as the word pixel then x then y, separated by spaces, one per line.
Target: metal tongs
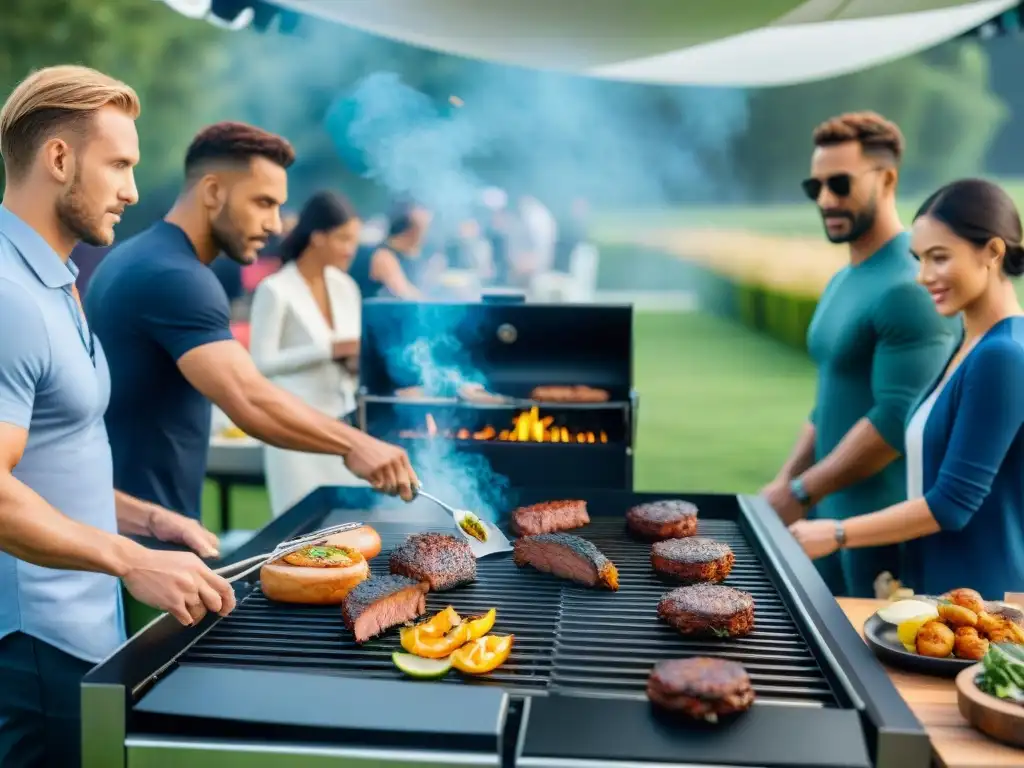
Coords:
pixel 496 540
pixel 243 568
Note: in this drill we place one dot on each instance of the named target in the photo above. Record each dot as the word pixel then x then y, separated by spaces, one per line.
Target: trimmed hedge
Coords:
pixel 782 316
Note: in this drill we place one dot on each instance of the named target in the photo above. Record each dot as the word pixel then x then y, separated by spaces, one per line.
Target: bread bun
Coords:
pixel 365 540
pixel 317 575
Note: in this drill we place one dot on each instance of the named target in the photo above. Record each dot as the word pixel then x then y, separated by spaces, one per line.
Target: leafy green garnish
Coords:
pixel 1002 673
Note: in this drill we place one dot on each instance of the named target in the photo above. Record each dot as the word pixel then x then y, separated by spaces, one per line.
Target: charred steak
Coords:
pixel 549 516
pixel 692 559
pixel 708 609
pixel 568 556
pixel 442 561
pixel 700 688
pixel 382 602
pixel 659 520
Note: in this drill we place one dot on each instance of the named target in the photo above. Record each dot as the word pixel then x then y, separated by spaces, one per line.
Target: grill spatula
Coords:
pixel 496 540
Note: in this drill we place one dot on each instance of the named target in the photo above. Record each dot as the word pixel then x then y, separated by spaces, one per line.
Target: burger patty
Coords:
pixel 693 559
pixel 708 609
pixel 700 688
pixel 668 519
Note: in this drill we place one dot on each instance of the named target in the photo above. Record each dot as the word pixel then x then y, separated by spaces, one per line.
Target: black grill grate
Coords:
pixel 568 638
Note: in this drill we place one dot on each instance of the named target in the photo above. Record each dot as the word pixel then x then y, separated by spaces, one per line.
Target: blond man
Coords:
pixel 69 146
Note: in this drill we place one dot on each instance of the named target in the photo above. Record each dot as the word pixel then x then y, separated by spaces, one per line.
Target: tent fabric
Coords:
pixel 679 42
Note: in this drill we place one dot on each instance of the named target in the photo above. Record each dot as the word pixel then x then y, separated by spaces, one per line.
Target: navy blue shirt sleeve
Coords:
pixel 24 354
pixel 988 418
pixel 186 308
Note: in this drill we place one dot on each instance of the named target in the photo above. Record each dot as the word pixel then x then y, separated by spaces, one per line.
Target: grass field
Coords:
pixel 719 409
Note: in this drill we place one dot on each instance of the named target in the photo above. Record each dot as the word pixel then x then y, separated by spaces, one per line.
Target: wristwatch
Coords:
pixel 796 487
pixel 840 534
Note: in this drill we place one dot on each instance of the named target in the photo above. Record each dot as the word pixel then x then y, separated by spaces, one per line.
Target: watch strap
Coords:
pixel 796 487
pixel 840 534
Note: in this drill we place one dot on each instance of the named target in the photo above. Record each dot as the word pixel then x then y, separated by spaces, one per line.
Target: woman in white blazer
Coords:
pixel 305 329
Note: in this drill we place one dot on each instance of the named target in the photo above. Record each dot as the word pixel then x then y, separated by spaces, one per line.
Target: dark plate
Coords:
pixel 881 636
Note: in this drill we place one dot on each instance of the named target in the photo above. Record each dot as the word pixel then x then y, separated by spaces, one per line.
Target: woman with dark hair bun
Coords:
pixel 963 520
pixel 305 328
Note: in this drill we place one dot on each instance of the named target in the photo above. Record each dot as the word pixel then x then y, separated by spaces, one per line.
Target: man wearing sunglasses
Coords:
pixel 877 341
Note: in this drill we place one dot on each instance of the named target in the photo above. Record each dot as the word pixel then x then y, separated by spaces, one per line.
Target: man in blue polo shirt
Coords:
pixel 164 321
pixel 68 173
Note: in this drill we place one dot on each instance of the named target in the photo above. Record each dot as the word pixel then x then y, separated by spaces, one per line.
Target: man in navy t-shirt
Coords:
pixel 163 319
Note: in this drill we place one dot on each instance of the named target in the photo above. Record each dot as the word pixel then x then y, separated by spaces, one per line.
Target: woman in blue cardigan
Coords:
pixel 963 520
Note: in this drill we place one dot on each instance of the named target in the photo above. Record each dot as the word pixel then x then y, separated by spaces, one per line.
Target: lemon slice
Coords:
pixel 904 610
pixel 907 631
pixel 420 668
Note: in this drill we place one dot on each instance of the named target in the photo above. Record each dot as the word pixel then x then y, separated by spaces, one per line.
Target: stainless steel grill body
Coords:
pixel 571 694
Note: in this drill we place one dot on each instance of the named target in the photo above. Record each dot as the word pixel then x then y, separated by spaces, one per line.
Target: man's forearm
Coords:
pixel 278 418
pixel 134 516
pixel 33 531
pixel 802 457
pixel 861 454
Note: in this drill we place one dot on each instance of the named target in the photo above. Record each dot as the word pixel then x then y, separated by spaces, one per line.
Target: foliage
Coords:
pixel 942 102
pixel 170 60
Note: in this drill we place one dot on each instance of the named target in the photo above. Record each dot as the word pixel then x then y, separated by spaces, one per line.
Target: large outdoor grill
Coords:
pixel 273 684
pixel 418 361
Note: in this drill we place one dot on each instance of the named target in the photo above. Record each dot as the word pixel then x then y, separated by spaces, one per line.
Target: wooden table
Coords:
pixel 933 700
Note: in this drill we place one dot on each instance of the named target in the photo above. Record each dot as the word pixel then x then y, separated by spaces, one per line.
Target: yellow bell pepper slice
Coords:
pixel 440 623
pixel 434 646
pixel 481 625
pixel 483 655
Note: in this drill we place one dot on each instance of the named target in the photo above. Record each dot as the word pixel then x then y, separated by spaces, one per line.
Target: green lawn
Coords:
pixel 719 409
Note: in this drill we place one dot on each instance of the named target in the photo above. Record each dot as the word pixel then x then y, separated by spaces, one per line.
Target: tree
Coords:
pixel 171 61
pixel 941 100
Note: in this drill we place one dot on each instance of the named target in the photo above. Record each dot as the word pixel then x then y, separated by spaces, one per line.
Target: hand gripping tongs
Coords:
pixel 243 568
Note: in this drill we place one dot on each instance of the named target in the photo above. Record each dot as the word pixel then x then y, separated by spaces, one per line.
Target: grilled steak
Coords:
pixel 569 394
pixel 442 561
pixel 659 520
pixel 568 556
pixel 708 609
pixel 700 688
pixel 382 602
pixel 549 516
pixel 693 559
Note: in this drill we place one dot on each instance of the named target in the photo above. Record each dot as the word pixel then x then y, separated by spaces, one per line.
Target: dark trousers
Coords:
pixel 40 704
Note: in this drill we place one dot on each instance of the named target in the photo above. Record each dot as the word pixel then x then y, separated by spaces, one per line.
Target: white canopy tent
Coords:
pixel 679 42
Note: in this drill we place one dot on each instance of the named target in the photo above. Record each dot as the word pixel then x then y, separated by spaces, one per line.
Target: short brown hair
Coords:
pixel 875 134
pixel 52 100
pixel 230 142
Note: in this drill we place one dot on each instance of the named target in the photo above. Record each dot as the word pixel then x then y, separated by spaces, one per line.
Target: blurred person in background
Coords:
pixel 533 235
pixel 306 324
pixel 69 146
pixel 963 519
pixel 165 323
pixel 497 225
pixel 877 342
pixel 394 267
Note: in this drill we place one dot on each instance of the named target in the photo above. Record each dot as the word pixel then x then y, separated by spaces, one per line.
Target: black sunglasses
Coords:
pixel 839 185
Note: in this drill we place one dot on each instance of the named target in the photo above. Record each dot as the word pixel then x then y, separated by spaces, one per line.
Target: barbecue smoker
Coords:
pixel 278 685
pixel 419 362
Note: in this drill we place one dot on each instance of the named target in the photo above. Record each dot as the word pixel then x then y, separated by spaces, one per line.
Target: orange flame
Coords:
pixel 527 427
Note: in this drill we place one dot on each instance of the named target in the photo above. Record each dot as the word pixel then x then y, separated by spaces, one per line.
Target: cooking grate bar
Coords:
pixel 569 639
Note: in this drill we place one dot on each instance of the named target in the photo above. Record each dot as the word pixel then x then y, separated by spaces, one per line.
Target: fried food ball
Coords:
pixel 1000 629
pixel 935 639
pixel 969 644
pixel 989 622
pixel 957 615
pixel 966 598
